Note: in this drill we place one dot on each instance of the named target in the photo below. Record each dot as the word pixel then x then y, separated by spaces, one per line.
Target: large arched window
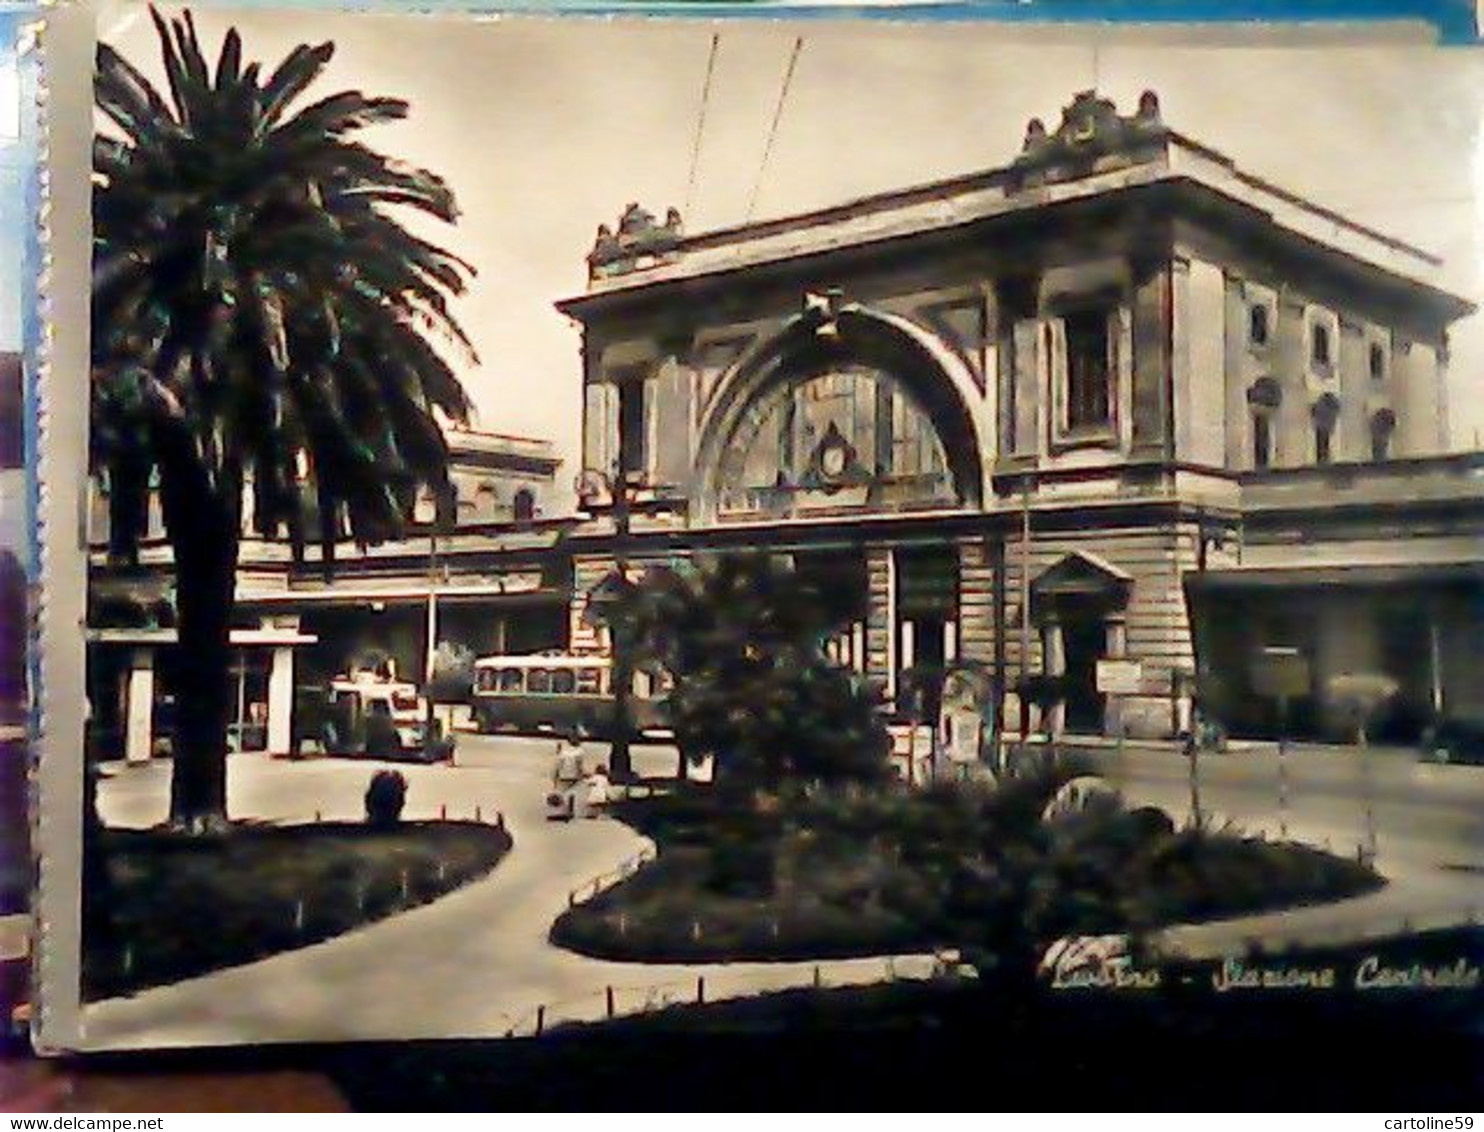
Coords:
pixel 524 505
pixel 1326 416
pixel 1263 401
pixel 850 436
pixel 1383 427
pixel 487 504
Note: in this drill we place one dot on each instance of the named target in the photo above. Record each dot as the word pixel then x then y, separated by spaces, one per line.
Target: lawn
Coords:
pixel 874 871
pixel 183 905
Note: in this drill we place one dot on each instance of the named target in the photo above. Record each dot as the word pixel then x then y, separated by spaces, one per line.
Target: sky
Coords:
pixel 547 128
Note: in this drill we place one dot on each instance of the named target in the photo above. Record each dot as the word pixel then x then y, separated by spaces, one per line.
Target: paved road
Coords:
pixel 472 964
pixel 1426 816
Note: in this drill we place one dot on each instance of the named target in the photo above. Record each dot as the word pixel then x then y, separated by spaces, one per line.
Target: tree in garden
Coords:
pixel 743 637
pixel 262 334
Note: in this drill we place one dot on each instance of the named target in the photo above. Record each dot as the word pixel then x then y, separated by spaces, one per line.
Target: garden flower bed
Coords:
pixel 184 905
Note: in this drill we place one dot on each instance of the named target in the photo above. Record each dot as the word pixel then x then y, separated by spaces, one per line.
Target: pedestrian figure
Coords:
pixel 569 769
pixel 597 790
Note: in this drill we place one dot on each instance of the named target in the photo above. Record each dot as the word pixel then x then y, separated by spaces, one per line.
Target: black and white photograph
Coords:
pixel 659 527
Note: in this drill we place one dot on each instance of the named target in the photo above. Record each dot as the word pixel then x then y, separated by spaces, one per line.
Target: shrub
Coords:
pixel 741 866
pixel 385 798
pixel 742 635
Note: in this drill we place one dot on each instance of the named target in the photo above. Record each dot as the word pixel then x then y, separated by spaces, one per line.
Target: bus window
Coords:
pixel 510 680
pixel 539 681
pixel 588 682
pixel 563 682
pixel 487 677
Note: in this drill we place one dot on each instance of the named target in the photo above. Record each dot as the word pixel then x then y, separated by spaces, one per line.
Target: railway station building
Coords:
pixel 1117 412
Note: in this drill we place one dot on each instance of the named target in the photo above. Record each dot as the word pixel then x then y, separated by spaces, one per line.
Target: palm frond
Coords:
pixel 128 99
pixel 229 62
pixel 291 78
pixel 251 271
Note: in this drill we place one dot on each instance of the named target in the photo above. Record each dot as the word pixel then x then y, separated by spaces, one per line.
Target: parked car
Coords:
pixel 370 716
pixel 1455 739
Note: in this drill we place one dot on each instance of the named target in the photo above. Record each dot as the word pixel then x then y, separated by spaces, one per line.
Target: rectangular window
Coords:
pixel 1257 324
pixel 1378 362
pixel 1322 448
pixel 1383 424
pixel 1380 444
pixel 1322 330
pixel 1262 441
pixel 631 427
pixel 1089 374
pixel 1321 345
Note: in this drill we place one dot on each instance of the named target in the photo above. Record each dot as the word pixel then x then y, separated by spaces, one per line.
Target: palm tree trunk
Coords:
pixel 202 522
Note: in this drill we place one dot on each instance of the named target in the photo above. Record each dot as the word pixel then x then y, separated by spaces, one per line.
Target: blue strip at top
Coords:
pixel 1455 21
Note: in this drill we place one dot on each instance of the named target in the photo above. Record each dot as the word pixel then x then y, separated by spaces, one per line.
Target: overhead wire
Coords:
pixel 695 149
pixel 788 78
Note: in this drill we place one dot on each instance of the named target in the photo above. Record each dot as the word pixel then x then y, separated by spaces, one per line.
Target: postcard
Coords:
pixel 568 524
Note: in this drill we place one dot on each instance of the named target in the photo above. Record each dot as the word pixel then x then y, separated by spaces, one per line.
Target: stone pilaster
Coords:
pixel 881 661
pixel 975 602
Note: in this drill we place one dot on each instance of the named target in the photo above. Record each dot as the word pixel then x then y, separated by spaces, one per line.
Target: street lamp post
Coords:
pixel 1025 609
pixel 620 760
pixel 430 652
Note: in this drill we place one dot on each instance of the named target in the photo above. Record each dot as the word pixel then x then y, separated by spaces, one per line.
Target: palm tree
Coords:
pixel 262 325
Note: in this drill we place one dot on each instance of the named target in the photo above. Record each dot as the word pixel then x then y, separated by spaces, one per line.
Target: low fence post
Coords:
pixel 443 812
pixel 478 814
pixel 700 990
pixel 608 1000
pixel 818 981
pixel 540 1019
pixel 1283 785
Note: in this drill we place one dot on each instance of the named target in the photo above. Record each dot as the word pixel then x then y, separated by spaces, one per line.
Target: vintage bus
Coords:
pixel 559 693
